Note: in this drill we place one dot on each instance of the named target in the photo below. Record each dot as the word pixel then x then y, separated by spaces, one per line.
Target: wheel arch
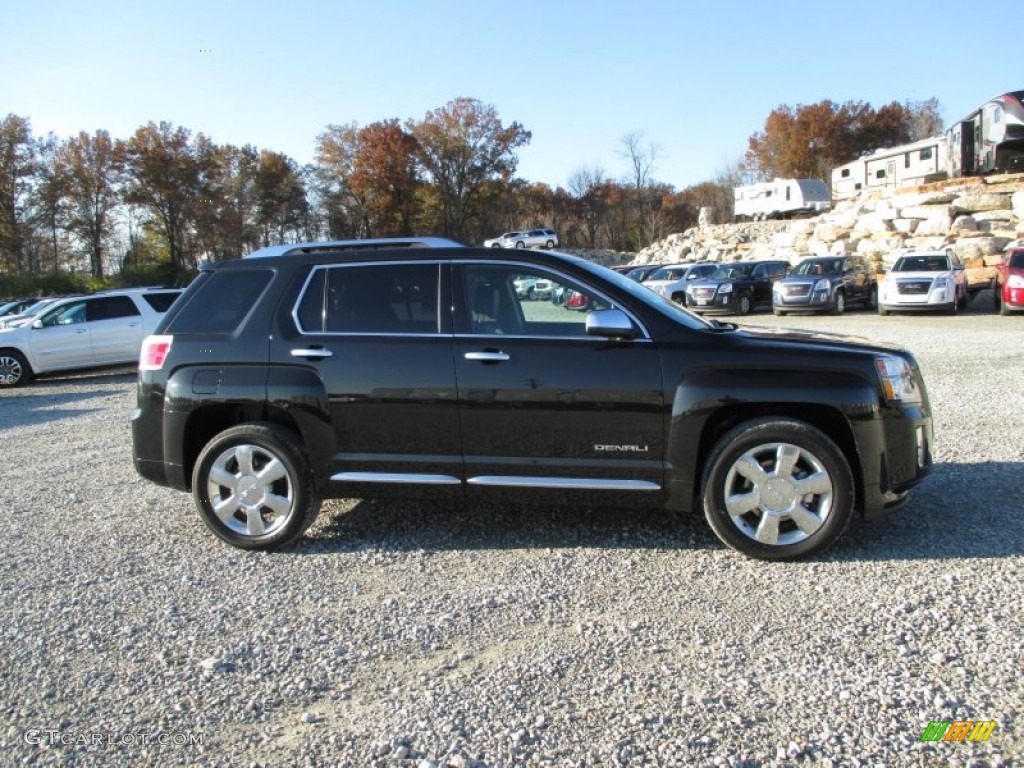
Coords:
pixel 825 418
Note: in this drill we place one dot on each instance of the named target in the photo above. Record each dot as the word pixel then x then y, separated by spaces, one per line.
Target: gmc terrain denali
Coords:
pixel 415 368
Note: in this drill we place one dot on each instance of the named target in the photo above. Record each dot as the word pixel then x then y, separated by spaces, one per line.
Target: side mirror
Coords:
pixel 611 323
pixel 37 323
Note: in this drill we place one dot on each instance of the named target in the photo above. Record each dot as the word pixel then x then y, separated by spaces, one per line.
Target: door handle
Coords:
pixel 82 330
pixel 490 356
pixel 316 353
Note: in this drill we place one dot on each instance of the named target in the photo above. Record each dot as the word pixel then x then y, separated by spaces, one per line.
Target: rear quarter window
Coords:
pixel 222 302
pixel 161 302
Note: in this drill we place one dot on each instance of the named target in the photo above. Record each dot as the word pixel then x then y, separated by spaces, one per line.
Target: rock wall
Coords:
pixel 977 217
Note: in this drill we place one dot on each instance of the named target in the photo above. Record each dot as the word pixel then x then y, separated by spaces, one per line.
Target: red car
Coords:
pixel 1008 292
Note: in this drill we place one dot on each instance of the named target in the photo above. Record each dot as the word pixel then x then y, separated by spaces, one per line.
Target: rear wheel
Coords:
pixel 778 312
pixel 549 244
pixel 14 369
pixel 520 244
pixel 253 487
pixel 777 489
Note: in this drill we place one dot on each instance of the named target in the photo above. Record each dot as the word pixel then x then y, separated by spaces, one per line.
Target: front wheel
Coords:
pixel 743 304
pixel 549 244
pixel 14 369
pixel 778 312
pixel 882 310
pixel 777 489
pixel 838 303
pixel 873 298
pixel 254 488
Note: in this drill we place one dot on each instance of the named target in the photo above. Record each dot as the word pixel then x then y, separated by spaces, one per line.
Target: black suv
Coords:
pixel 829 283
pixel 397 369
pixel 737 288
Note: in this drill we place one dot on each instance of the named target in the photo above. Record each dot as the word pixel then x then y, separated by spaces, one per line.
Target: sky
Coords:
pixel 695 79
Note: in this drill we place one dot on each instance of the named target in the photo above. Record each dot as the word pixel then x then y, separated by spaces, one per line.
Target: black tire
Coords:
pixel 1004 310
pixel 549 244
pixel 744 304
pixel 995 297
pixel 953 307
pixel 530 294
pixel 882 310
pixel 679 298
pixel 14 369
pixel 805 520
pixel 520 244
pixel 778 312
pixel 294 489
pixel 495 245
pixel 964 299
pixel 873 298
pixel 838 303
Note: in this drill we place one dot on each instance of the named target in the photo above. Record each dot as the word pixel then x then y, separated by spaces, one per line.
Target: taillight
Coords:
pixel 154 352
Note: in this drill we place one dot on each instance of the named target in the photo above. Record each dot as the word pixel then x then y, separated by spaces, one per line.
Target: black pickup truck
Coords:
pixel 413 368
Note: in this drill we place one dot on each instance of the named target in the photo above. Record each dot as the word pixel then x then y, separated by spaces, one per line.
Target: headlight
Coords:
pixel 897 380
pixel 725 288
pixel 823 285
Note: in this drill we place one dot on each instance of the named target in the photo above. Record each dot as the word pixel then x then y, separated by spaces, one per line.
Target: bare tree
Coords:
pixel 641 155
pixel 924 117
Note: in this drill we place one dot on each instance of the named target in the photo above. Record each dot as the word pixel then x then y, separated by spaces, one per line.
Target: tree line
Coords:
pixel 162 200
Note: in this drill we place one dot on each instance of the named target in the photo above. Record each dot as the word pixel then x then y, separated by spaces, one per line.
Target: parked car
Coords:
pixel 671 281
pixel 277 381
pixel 527 238
pixel 738 287
pixel 81 332
pixel 1008 290
pixel 641 273
pixel 533 288
pixel 829 283
pixel 29 314
pixel 16 306
pixel 924 280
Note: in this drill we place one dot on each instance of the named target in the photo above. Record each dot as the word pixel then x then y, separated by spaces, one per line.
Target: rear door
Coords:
pixel 377 339
pixel 115 329
pixel 549 413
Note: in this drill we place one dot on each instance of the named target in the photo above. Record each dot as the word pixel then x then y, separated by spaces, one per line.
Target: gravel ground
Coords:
pixel 408 634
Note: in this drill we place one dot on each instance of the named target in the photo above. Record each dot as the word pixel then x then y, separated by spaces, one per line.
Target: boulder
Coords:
pixel 980 201
pixel 906 226
pixel 926 212
pixel 1017 203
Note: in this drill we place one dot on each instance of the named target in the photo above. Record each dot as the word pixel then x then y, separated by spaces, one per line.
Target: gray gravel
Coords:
pixel 407 634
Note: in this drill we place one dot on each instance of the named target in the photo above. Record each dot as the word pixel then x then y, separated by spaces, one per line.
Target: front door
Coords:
pixel 548 412
pixel 63 340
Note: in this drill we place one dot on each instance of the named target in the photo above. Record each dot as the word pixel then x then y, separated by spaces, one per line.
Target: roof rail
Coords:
pixel 355 245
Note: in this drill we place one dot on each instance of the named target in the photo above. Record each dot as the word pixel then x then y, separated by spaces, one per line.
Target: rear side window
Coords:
pixel 161 302
pixel 371 298
pixel 110 308
pixel 221 302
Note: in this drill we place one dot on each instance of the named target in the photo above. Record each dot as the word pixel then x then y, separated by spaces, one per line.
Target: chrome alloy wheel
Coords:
pixel 250 490
pixel 10 370
pixel 778 493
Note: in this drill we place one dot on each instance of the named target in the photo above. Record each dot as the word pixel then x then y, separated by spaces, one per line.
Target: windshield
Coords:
pixel 921 264
pixel 668 273
pixel 732 271
pixel 1017 260
pixel 817 267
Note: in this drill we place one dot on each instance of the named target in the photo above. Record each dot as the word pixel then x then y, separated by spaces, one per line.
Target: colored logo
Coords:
pixel 958 730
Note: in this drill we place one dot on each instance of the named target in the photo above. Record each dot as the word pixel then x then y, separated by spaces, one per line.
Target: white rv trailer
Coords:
pixel 780 199
pixel 904 166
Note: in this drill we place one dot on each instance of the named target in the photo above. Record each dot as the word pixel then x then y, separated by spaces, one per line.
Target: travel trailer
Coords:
pixel 780 199
pixel 989 139
pixel 904 166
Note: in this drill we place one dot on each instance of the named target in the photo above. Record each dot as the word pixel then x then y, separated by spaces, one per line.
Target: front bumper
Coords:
pixel 721 303
pixel 903 440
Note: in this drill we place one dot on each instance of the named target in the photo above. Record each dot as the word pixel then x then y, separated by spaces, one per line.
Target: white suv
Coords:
pixel 526 238
pixel 924 280
pixel 82 332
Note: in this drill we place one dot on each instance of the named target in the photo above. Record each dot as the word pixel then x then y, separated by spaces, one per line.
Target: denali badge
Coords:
pixel 621 448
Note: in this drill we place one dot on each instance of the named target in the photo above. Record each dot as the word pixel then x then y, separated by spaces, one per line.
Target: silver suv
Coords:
pixel 525 238
pixel 106 328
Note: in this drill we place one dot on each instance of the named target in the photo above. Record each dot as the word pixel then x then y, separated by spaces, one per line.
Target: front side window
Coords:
pixel 511 300
pixel 68 314
pixel 371 298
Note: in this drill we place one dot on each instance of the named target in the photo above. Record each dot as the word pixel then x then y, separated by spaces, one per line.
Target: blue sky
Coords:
pixel 696 78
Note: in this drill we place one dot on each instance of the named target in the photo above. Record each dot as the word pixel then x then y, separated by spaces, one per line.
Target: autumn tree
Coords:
pixel 280 196
pixel 384 178
pixel 17 178
pixel 460 147
pixel 93 169
pixel 163 178
pixel 809 140
pixel 52 205
pixel 587 187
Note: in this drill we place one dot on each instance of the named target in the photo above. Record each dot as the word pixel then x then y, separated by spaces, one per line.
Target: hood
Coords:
pixel 833 341
pixel 945 275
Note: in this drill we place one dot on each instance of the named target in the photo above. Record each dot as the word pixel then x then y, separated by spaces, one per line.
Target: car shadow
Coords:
pixel 46 401
pixel 961 511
